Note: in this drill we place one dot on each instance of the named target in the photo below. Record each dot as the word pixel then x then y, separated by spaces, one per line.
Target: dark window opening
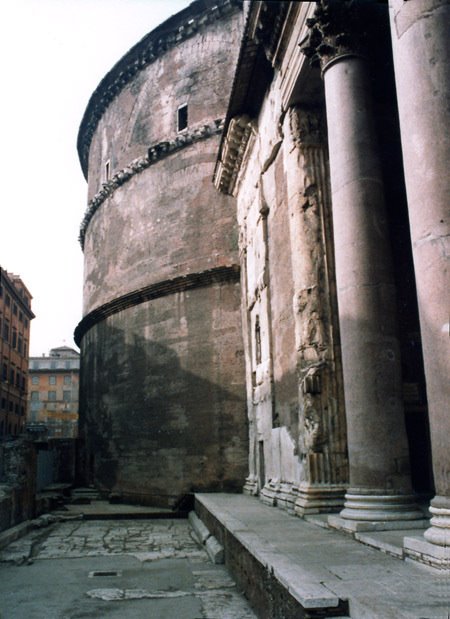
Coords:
pixel 257 341
pixel 182 120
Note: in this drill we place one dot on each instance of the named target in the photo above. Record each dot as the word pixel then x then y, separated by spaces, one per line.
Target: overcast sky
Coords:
pixel 54 53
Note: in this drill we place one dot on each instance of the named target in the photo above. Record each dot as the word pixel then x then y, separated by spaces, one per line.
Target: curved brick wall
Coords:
pixel 162 401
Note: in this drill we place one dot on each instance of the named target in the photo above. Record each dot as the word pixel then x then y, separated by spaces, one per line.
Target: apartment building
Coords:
pixel 53 392
pixel 15 317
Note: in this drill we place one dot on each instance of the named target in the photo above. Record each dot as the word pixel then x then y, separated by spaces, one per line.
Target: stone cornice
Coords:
pixel 182 283
pixel 266 24
pixel 154 154
pixel 232 153
pixel 172 32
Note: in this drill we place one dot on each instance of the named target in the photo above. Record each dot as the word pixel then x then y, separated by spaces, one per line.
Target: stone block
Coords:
pixel 418 549
pixel 355 526
pixel 215 550
pixel 200 530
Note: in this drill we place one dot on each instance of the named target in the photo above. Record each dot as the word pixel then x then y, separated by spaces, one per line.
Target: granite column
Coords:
pixel 421 47
pixel 380 488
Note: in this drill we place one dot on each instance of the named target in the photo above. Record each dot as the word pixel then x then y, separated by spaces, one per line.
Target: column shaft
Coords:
pixel 378 452
pixel 422 72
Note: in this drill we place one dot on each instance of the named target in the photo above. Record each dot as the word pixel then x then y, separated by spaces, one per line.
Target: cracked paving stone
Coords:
pixel 129 569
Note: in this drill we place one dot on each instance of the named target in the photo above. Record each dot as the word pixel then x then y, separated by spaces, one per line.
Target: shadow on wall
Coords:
pixel 156 421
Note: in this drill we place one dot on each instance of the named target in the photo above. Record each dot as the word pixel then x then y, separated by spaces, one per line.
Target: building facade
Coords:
pixel 53 388
pixel 15 317
pixel 330 173
pixel 162 408
pixel 337 167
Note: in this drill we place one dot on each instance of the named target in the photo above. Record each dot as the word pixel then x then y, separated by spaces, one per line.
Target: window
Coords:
pixel 67 396
pixel 257 341
pixel 182 117
pixel 14 338
pixel 20 317
pixel 11 376
pixel 67 380
pixel 20 346
pixel 5 372
pixel 52 380
pixel 14 309
pixel 8 300
pixel 35 380
pixel 6 331
pixel 52 396
pixel 35 396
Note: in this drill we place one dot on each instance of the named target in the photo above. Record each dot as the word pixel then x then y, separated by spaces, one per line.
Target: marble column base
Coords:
pixel 378 512
pixel 251 485
pixel 319 499
pixel 286 496
pixel 269 492
pixel 439 532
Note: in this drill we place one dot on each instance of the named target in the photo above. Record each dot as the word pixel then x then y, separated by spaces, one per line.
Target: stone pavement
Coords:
pixel 327 572
pixel 152 569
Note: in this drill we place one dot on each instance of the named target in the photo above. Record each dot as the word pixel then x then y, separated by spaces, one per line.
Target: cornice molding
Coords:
pixel 266 24
pixel 182 283
pixel 174 31
pixel 155 153
pixel 232 153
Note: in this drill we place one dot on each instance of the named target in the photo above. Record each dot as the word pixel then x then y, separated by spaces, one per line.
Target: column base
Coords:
pixel 319 499
pixel 439 532
pixel 371 511
pixel 268 494
pixel 286 496
pixel 251 486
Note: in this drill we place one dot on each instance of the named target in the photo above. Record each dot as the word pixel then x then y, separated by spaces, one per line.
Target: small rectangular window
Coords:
pixel 182 117
pixel 35 396
pixel 52 396
pixel 67 380
pixel 67 396
pixel 6 331
pixel 52 380
pixel 35 380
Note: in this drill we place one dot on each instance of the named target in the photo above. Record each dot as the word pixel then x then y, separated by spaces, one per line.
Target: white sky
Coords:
pixel 54 53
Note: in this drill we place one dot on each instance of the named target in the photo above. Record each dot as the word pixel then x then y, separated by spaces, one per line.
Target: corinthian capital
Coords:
pixel 337 28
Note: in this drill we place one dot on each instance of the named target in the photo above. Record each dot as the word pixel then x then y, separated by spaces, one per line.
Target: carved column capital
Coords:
pixel 337 29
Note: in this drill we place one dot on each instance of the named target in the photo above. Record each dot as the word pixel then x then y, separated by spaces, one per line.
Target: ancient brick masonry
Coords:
pixel 162 381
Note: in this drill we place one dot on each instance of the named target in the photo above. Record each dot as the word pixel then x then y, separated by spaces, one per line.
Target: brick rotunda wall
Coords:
pixel 162 402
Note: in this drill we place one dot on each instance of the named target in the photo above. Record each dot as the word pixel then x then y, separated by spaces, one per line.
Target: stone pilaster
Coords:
pixel 380 488
pixel 421 47
pixel 322 433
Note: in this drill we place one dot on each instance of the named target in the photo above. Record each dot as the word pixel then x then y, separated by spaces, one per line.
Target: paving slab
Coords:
pixel 119 569
pixel 312 559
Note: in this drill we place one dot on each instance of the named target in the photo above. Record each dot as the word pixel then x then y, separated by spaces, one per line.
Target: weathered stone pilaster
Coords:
pixel 322 433
pixel 380 487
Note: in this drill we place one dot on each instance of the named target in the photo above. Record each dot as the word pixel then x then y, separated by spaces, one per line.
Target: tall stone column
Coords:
pixel 380 487
pixel 421 48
